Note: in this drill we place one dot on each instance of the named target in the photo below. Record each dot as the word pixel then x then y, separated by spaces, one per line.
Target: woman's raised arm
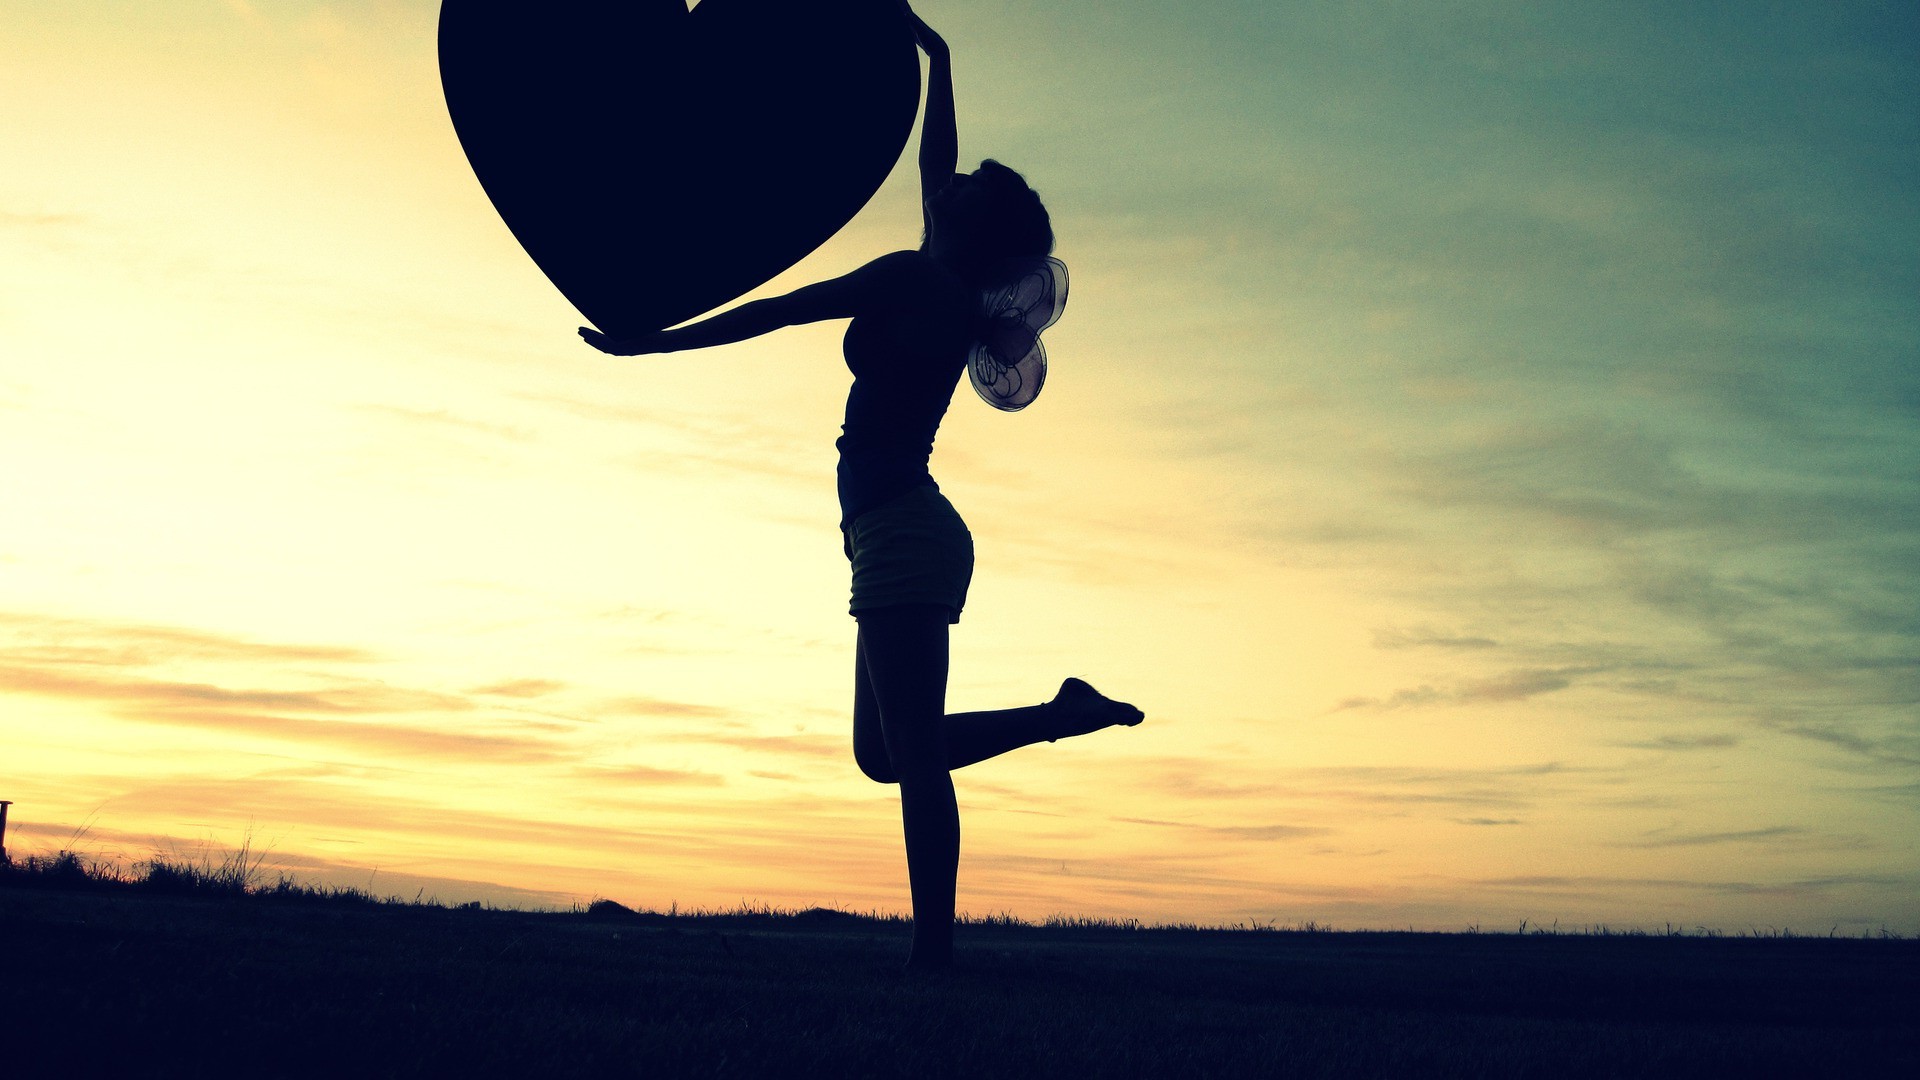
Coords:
pixel 939 131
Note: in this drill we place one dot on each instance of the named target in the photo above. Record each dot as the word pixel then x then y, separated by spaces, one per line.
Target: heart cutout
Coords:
pixel 658 162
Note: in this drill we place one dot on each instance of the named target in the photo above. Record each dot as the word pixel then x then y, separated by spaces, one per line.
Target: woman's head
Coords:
pixel 984 218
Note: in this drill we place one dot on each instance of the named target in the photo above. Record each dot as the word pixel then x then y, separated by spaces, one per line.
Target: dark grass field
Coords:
pixel 121 981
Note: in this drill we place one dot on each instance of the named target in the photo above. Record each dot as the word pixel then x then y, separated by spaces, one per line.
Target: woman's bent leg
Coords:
pixel 976 736
pixel 1078 709
pixel 903 654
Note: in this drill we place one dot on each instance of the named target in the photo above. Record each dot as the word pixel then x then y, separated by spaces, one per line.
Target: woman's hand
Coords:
pixel 633 346
pixel 932 42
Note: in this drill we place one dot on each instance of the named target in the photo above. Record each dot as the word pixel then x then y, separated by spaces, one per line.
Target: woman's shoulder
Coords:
pixel 911 262
pixel 915 277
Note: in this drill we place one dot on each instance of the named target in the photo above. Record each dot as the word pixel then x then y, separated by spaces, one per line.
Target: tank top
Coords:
pixel 905 368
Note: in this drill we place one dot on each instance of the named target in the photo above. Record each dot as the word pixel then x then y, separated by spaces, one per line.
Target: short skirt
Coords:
pixel 913 549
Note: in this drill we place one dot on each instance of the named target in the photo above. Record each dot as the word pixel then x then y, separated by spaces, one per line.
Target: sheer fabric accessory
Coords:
pixel 1007 365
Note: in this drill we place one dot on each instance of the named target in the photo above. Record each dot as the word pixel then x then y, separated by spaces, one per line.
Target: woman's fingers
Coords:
pixel 600 341
pixel 922 33
pixel 652 342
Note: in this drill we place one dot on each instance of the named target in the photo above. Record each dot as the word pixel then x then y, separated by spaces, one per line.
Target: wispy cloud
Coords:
pixel 1517 685
pixel 647 775
pixel 1383 789
pixel 1425 637
pixel 1899 749
pixel 1624 885
pixel 365 698
pixel 379 737
pixel 520 688
pixel 646 706
pixel 1237 832
pixel 1716 741
pixel 62 640
pixel 105 664
pixel 354 714
pixel 1741 836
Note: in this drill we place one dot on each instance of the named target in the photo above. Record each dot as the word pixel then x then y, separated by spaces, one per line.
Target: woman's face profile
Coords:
pixel 963 201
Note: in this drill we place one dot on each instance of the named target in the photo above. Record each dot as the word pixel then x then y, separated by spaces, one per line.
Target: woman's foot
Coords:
pixel 921 965
pixel 1079 709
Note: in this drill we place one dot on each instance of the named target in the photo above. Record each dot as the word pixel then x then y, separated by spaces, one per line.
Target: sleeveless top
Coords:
pixel 905 368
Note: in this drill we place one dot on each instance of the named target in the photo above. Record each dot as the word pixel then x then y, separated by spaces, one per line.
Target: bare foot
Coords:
pixel 1079 709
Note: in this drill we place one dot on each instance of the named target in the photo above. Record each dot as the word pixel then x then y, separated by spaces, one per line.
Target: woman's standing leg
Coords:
pixel 903 664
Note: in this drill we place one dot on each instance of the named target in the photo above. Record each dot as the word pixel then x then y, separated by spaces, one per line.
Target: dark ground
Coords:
pixel 92 984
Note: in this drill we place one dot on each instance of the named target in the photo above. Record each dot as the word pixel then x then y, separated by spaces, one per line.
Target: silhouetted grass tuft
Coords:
pixel 235 875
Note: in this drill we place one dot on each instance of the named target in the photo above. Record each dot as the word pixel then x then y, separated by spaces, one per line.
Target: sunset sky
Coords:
pixel 1484 437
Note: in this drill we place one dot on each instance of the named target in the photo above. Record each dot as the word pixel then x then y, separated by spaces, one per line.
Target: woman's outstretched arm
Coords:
pixel 874 287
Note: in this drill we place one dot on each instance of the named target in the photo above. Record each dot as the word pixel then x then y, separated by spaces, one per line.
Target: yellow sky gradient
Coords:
pixel 320 526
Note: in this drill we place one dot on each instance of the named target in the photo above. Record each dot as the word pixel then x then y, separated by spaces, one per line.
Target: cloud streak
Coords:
pixel 1741 836
pixel 1236 832
pixel 121 644
pixel 1516 685
pixel 97 664
pixel 252 713
pixel 159 697
pixel 646 775
pixel 1425 637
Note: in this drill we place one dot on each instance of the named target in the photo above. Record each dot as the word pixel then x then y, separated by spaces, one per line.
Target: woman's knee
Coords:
pixel 873 761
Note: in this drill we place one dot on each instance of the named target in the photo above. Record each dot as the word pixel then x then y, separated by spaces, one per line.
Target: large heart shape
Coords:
pixel 658 162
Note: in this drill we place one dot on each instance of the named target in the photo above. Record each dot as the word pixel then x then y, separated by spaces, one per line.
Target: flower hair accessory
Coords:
pixel 1007 364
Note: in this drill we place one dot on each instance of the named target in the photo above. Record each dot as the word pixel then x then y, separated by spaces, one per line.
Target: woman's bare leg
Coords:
pixel 903 661
pixel 1078 709
pixel 971 737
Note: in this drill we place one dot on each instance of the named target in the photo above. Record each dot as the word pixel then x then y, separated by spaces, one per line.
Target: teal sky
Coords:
pixel 1483 436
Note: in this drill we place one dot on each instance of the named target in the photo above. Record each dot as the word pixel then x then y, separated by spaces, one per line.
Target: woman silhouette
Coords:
pixel 916 316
